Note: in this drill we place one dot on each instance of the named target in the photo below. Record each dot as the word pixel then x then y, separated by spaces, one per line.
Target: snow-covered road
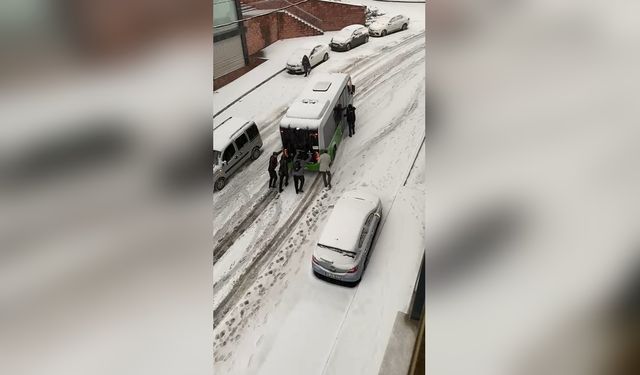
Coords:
pixel 271 316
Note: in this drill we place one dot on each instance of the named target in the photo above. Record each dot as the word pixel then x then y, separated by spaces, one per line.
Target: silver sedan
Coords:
pixel 346 240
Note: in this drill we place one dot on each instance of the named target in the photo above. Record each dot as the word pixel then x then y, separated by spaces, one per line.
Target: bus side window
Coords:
pixel 344 99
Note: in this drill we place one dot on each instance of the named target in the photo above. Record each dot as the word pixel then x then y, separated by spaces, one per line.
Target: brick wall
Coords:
pixel 289 27
pixel 261 32
pixel 327 15
pixel 335 16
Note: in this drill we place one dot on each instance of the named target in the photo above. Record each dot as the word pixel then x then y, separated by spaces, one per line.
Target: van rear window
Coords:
pixel 252 132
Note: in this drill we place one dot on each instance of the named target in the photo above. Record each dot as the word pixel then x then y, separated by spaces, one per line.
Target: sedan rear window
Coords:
pixel 345 252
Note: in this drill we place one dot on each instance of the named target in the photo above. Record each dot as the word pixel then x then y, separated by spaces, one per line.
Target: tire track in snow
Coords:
pixel 230 237
pixel 244 281
pixel 395 123
pixel 257 241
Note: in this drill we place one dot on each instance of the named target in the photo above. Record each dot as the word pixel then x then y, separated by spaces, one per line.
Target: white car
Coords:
pixel 388 24
pixel 316 53
pixel 345 243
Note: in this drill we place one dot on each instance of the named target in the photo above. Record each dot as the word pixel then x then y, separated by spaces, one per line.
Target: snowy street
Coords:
pixel 271 314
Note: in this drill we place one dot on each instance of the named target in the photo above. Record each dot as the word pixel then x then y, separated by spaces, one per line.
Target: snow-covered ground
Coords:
pixel 271 315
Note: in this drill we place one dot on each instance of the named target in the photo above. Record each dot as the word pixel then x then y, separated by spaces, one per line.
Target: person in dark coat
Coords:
pixel 351 119
pixel 337 113
pixel 283 170
pixel 299 162
pixel 273 163
pixel 306 64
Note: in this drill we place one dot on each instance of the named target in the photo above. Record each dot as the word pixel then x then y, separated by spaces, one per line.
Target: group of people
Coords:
pixel 296 168
pixel 285 166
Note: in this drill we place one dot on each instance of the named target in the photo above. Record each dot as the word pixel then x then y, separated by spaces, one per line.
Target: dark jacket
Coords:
pixel 273 162
pixel 301 163
pixel 284 166
pixel 351 114
pixel 337 112
pixel 305 62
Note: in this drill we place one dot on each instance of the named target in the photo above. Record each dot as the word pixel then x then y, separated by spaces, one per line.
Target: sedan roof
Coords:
pixel 353 27
pixel 347 218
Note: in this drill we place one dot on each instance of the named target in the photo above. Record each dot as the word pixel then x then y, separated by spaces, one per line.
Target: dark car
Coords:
pixel 349 37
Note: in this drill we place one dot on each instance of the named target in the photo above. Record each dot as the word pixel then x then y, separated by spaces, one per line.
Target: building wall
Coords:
pixel 289 27
pixel 228 49
pixel 327 15
pixel 261 32
pixel 227 56
pixel 335 16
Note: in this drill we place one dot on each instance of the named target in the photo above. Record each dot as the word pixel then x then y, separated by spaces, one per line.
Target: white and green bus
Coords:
pixel 315 120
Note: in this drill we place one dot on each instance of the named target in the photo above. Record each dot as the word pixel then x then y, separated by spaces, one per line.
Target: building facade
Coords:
pixel 229 44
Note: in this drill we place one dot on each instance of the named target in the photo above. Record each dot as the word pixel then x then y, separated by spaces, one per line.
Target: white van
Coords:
pixel 235 141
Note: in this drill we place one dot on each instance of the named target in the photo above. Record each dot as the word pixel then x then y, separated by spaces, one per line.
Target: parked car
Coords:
pixel 316 53
pixel 235 141
pixel 349 37
pixel 386 25
pixel 345 243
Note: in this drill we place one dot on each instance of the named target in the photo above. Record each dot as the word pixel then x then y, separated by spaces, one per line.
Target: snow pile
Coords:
pixel 371 13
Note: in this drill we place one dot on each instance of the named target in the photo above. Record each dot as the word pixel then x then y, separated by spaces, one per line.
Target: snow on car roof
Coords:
pixel 342 230
pixel 225 129
pixel 351 27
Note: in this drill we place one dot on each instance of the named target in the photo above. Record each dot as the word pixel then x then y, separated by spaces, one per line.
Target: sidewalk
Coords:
pixel 276 55
pixel 386 289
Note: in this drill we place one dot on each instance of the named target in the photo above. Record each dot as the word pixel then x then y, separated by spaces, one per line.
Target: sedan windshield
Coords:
pixel 344 34
pixel 345 252
pixel 299 53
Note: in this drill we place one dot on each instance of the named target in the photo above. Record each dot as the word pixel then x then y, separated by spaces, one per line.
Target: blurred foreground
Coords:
pixel 105 231
pixel 532 215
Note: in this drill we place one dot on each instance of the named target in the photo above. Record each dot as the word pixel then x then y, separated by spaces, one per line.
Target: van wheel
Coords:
pixel 384 32
pixel 255 153
pixel 348 46
pixel 404 26
pixel 220 182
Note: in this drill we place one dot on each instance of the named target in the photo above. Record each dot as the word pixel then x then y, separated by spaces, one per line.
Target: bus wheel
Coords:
pixel 255 153
pixel 219 183
pixel 335 149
